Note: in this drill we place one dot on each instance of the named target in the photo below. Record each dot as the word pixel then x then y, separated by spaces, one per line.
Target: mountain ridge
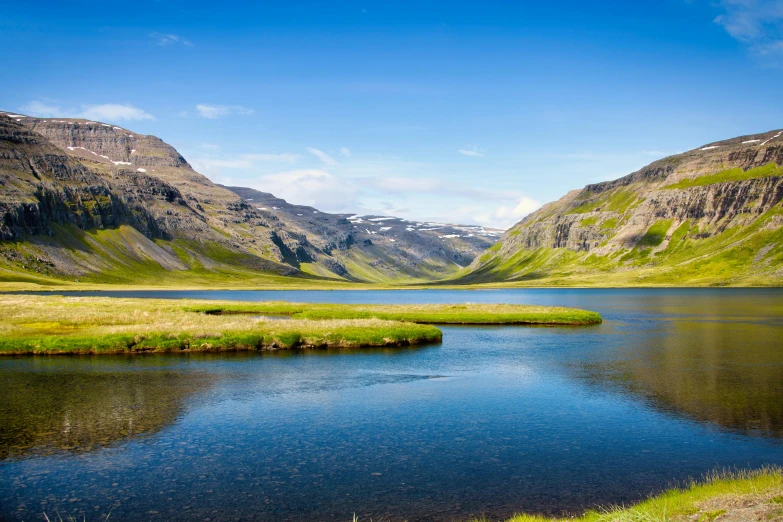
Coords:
pixel 709 216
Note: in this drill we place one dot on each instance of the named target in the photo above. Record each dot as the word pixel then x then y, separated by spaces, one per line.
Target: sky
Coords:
pixel 460 112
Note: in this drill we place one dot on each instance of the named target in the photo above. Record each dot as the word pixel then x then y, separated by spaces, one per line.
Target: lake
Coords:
pixel 495 420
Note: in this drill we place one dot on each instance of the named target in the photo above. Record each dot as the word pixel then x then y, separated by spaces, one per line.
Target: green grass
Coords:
pixel 705 501
pixel 422 314
pixel 737 174
pixel 655 234
pixel 617 200
pixel 58 325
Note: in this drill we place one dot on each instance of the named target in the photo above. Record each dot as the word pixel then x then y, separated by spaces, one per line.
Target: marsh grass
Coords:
pixel 55 325
pixel 707 500
pixel 413 313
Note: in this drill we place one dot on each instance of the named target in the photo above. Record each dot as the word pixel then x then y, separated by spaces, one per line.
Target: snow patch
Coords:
pixel 141 170
pixel 750 141
pixel 383 229
pixel 261 208
pixel 121 162
pixel 711 147
pixel 773 137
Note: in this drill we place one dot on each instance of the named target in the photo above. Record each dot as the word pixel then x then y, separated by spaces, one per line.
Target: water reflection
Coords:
pixel 726 372
pixel 51 405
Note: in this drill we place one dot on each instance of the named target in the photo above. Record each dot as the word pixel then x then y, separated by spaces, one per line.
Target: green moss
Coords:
pixel 589 221
pixel 736 174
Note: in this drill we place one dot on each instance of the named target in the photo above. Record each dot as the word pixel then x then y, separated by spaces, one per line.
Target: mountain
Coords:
pixel 100 203
pixel 710 216
pixel 369 248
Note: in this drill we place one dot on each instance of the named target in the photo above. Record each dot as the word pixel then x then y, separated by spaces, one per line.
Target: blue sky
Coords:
pixel 471 112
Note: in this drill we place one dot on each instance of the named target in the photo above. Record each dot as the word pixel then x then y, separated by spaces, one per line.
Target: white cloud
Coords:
pixel 168 39
pixel 325 158
pixel 345 152
pixel 213 112
pixel 756 23
pixel 111 112
pixel 472 151
pixel 504 216
pixel 313 187
pixel 114 112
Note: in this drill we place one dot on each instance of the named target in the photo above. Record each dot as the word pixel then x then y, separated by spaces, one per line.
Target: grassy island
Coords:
pixel 413 313
pixel 57 325
pixel 737 496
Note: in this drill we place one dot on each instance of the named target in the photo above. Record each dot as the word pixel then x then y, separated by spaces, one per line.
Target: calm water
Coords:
pixel 493 421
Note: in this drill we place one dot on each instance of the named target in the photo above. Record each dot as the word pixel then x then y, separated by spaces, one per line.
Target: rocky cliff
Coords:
pixel 708 216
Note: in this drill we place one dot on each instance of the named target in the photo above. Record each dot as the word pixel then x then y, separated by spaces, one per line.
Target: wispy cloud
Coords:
pixel 212 165
pixel 213 112
pixel 473 151
pixel 313 187
pixel 111 112
pixel 345 152
pixel 169 39
pixel 325 158
pixel 758 24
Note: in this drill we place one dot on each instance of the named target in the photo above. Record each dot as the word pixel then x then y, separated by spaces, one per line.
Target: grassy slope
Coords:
pixel 52 324
pixel 423 314
pixel 756 495
pixel 736 256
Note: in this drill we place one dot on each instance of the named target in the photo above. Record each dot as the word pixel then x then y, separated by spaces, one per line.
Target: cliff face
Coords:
pixel 708 216
pixel 42 186
pixel 63 180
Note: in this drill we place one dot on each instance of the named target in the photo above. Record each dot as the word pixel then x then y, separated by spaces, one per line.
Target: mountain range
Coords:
pixel 90 202
pixel 94 202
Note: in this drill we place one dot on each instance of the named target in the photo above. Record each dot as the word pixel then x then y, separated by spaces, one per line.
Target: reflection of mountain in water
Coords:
pixel 729 373
pixel 46 411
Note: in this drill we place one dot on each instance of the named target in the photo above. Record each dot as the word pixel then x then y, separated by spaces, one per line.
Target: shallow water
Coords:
pixel 494 420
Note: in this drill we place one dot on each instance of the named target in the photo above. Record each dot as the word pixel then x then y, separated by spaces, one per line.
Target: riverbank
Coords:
pixel 725 497
pixel 81 325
